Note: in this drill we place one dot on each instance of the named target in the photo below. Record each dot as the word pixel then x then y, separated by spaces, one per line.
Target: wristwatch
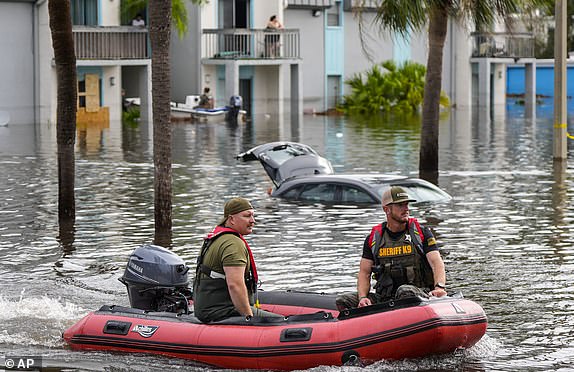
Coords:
pixel 440 285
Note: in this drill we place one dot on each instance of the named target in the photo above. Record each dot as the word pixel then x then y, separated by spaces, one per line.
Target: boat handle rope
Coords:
pixel 560 126
pixel 257 286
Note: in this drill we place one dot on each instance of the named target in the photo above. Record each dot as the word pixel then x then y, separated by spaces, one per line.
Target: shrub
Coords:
pixel 399 88
pixel 131 116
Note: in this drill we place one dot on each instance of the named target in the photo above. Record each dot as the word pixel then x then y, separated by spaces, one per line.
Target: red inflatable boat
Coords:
pixel 313 333
pixel 407 328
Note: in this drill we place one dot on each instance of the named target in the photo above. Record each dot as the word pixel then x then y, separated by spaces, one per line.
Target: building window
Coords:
pixel 333 90
pixel 334 15
pixel 89 92
pixel 82 93
pixel 84 12
pixel 234 13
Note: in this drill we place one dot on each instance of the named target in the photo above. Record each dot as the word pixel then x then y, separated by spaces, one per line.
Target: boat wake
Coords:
pixel 36 320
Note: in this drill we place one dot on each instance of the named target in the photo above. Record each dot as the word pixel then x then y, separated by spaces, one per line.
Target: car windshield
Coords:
pixel 421 193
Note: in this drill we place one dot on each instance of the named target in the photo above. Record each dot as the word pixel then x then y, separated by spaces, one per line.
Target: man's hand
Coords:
pixel 438 292
pixel 364 301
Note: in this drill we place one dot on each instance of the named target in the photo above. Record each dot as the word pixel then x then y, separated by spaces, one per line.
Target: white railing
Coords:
pixel 503 45
pixel 362 5
pixel 250 44
pixel 311 4
pixel 121 42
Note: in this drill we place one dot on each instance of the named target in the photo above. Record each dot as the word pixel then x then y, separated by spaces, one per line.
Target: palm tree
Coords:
pixel 402 16
pixel 65 60
pixel 131 8
pixel 160 34
pixel 160 20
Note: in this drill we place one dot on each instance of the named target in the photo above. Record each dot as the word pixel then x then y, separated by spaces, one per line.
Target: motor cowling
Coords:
pixel 156 280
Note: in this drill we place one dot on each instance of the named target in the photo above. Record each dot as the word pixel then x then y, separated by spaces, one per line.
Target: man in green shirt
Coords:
pixel 226 275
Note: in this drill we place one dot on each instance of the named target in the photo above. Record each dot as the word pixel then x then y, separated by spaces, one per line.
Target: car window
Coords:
pixel 422 193
pixel 323 192
pixel 355 195
pixel 292 193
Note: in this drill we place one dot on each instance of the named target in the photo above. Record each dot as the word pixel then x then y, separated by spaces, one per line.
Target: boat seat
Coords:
pixel 383 306
pixel 160 315
pixel 290 319
pixel 238 320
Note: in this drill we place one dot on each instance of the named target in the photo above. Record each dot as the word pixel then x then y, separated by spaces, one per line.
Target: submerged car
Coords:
pixel 300 173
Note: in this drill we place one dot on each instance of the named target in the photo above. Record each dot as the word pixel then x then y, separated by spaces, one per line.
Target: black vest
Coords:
pixel 399 261
pixel 212 301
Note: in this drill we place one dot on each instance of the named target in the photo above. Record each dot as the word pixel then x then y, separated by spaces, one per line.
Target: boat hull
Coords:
pixel 203 115
pixel 396 330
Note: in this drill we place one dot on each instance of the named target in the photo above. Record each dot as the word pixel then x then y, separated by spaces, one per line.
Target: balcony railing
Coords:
pixel 503 45
pixel 250 44
pixel 309 4
pixel 122 42
pixel 362 5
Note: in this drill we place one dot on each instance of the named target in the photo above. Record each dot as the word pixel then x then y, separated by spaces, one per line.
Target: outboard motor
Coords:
pixel 156 280
pixel 235 104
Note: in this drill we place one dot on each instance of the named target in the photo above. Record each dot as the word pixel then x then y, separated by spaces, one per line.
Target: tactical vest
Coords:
pixel 401 261
pixel 212 301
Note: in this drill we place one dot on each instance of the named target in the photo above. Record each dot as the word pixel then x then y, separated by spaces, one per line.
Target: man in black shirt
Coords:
pixel 400 254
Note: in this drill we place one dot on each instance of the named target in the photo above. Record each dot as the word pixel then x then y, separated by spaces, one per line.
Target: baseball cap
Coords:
pixel 233 206
pixel 396 194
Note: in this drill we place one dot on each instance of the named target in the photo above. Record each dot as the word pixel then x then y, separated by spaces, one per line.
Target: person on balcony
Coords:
pixel 138 21
pixel 272 45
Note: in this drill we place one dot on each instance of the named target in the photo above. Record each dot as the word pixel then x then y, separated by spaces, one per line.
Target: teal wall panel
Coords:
pixel 402 48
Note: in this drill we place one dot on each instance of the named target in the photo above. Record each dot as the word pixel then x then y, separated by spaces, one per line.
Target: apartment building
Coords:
pixel 227 49
pixel 323 44
pixel 111 55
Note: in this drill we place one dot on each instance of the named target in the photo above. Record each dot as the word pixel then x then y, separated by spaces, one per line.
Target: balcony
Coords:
pixel 502 45
pixel 309 4
pixel 250 44
pixel 110 43
pixel 362 5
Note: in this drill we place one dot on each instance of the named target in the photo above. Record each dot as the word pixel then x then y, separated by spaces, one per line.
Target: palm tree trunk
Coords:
pixel 428 157
pixel 65 60
pixel 160 34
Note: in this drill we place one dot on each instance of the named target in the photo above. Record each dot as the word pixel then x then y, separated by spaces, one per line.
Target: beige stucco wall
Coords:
pixel 263 9
pixel 110 11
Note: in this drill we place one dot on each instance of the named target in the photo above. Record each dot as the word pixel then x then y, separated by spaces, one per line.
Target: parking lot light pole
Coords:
pixel 560 129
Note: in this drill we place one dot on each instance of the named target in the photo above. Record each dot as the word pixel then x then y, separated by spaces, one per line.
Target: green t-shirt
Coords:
pixel 212 300
pixel 226 250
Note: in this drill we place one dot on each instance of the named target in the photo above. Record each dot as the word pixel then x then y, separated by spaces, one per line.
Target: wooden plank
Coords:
pixel 92 93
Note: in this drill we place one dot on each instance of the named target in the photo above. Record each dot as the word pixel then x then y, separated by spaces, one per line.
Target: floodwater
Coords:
pixel 507 235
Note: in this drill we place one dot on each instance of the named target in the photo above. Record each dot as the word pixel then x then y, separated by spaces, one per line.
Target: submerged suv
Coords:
pixel 300 173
